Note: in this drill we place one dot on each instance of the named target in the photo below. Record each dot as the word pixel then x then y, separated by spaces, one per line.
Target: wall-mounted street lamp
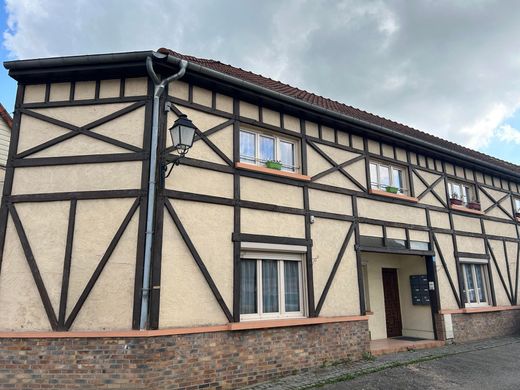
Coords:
pixel 182 133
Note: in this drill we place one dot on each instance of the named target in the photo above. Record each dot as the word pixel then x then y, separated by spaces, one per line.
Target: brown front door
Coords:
pixel 394 325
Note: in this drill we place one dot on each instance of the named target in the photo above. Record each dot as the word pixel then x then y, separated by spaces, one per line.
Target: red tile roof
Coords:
pixel 332 105
pixel 5 116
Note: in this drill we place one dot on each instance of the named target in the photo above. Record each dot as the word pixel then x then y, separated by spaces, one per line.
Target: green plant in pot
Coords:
pixel 455 199
pixel 392 190
pixel 273 164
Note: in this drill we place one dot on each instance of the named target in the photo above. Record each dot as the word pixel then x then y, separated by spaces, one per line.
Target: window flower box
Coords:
pixel 456 201
pixel 392 190
pixel 474 205
pixel 271 164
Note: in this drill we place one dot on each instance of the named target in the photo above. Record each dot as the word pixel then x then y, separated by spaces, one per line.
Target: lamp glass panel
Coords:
pixel 187 134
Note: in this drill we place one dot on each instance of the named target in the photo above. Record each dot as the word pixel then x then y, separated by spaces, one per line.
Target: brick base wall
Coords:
pixel 224 360
pixel 478 326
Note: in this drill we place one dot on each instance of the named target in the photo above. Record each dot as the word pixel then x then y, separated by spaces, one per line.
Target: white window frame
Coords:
pixel 377 183
pixel 485 282
pixel 470 190
pixel 280 258
pixel 366 290
pixel 277 149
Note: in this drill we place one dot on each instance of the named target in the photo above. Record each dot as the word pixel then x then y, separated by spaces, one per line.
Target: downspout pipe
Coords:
pixel 159 87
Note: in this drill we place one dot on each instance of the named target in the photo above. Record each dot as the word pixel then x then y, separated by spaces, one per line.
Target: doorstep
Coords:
pixel 386 346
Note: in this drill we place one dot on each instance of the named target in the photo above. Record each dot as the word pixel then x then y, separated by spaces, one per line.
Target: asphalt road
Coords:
pixel 494 368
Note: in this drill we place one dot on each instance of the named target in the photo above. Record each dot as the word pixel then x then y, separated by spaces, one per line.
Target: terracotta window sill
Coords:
pixel 263 324
pixel 483 309
pixel 465 209
pixel 257 168
pixel 394 196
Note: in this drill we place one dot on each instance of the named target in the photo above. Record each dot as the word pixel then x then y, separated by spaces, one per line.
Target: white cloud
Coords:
pixel 507 133
pixel 449 68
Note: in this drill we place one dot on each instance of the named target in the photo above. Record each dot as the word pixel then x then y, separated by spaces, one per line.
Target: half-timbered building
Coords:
pixel 6 123
pixel 296 231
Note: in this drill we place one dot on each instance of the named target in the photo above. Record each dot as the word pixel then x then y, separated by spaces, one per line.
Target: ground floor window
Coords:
pixel 475 284
pixel 271 288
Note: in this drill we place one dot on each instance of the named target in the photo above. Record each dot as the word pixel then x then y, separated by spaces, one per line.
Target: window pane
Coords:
pixel 270 286
pixel 287 155
pixel 247 147
pixel 465 194
pixel 469 284
pixel 456 190
pixel 384 176
pixel 266 148
pixel 248 298
pixel 480 283
pixel 517 205
pixel 292 286
pixel 397 178
pixel 373 175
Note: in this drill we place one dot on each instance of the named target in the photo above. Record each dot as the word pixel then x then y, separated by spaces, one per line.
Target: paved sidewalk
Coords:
pixel 348 371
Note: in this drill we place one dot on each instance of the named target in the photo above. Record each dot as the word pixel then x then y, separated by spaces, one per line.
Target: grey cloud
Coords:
pixel 450 68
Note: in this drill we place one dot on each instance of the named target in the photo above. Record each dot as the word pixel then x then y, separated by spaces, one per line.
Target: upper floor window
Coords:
pixel 263 149
pixel 387 177
pixel 460 193
pixel 271 286
pixel 475 284
pixel 516 203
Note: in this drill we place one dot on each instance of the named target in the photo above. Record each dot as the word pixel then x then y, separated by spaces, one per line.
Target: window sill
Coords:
pixel 466 209
pixel 257 168
pixel 394 196
pixel 517 219
pixel 369 313
pixel 263 324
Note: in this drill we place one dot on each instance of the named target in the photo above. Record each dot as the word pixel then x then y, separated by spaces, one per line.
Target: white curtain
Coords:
pixel 248 287
pixel 292 286
pixel 270 286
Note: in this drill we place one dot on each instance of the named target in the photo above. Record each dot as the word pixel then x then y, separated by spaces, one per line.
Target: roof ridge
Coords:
pixel 334 105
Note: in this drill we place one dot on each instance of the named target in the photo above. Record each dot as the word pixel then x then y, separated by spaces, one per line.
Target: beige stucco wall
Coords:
pixel 186 299
pixel 391 212
pixel 447 299
pixel 416 319
pixel 328 237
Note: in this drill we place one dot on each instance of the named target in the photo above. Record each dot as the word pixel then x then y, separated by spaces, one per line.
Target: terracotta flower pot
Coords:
pixel 474 205
pixel 456 202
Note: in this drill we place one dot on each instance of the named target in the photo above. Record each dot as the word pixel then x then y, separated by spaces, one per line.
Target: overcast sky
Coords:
pixel 451 68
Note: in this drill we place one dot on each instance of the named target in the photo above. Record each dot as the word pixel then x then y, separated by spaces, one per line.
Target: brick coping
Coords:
pixel 485 309
pixel 248 325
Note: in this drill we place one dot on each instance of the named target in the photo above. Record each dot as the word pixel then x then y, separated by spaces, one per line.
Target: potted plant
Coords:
pixel 474 205
pixel 392 190
pixel 517 214
pixel 455 199
pixel 273 164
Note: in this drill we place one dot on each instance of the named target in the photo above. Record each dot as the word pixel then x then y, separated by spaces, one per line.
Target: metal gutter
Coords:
pixel 141 55
pixel 95 59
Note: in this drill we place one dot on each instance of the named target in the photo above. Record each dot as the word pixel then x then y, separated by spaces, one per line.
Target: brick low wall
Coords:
pixel 470 326
pixel 227 360
pixel 477 326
